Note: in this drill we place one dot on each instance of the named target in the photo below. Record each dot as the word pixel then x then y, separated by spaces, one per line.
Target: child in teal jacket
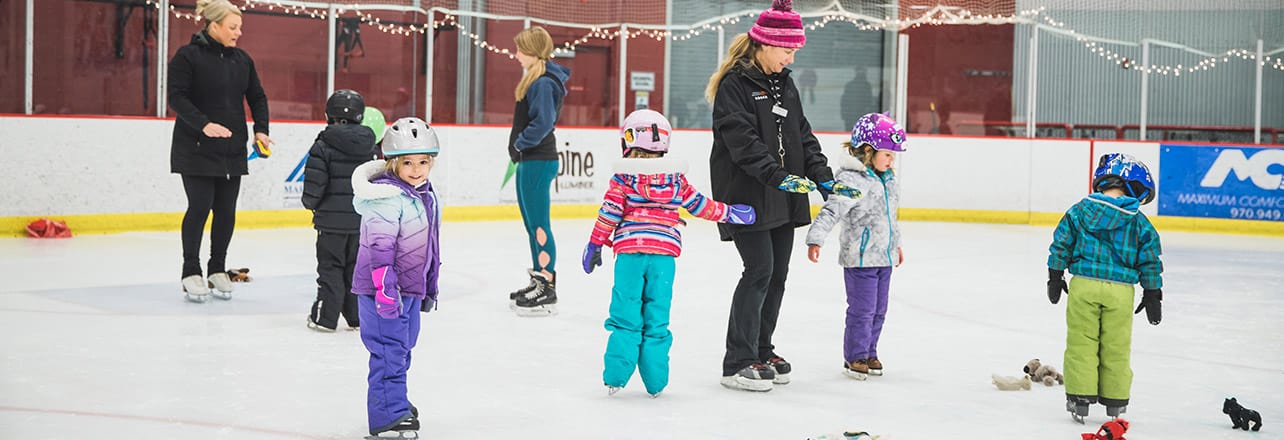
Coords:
pixel 1108 245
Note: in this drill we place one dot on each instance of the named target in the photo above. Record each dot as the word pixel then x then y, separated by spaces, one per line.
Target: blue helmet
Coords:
pixel 1118 170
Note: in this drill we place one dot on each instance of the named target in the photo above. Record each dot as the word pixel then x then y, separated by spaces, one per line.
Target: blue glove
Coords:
pixel 840 189
pixel 741 215
pixel 592 257
pixel 387 298
pixel 797 184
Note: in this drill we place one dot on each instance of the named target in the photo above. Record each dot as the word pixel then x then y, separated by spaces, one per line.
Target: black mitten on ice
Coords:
pixel 1150 299
pixel 1056 285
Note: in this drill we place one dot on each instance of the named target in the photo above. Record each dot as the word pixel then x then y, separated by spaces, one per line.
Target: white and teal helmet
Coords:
pixel 410 136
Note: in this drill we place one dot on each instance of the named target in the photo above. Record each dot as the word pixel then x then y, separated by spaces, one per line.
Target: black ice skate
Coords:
pixel 756 377
pixel 1078 408
pixel 512 297
pixel 407 428
pixel 542 301
pixel 781 368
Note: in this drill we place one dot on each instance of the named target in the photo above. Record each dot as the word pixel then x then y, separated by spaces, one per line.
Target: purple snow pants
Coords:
pixel 866 308
pixel 389 342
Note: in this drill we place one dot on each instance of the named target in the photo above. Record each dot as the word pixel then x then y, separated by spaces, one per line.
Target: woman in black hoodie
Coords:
pixel 764 155
pixel 209 79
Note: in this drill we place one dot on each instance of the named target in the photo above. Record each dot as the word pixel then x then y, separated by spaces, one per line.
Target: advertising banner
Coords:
pixel 1222 182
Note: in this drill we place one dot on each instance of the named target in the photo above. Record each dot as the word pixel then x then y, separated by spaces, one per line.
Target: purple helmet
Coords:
pixel 647 130
pixel 879 131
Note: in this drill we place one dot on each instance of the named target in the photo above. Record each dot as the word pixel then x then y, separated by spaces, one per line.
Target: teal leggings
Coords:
pixel 639 321
pixel 534 178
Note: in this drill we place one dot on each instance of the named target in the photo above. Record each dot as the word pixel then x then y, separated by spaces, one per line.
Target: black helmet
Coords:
pixel 345 105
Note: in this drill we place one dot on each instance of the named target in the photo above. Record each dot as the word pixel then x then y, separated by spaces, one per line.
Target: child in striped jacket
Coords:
pixel 639 219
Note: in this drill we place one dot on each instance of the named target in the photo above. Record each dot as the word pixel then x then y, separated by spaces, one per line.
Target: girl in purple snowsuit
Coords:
pixel 870 239
pixel 397 265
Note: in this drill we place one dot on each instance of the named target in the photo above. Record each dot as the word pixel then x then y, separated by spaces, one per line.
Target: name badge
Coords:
pixel 777 109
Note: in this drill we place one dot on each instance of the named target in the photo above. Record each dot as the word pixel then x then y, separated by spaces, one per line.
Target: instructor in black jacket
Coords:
pixel 764 155
pixel 209 79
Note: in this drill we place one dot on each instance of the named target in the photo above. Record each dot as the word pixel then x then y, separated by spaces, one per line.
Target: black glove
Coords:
pixel 427 305
pixel 1150 299
pixel 1056 285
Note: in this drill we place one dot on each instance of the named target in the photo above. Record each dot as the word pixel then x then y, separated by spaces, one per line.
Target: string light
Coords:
pixel 936 16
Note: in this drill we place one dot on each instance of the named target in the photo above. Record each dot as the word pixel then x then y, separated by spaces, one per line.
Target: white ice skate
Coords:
pixel 222 286
pixel 750 379
pixel 194 289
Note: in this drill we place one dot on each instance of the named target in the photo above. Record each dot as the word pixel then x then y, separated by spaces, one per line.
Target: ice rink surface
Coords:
pixel 101 345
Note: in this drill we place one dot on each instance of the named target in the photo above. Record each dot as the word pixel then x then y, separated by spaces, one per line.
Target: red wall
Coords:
pixel 958 73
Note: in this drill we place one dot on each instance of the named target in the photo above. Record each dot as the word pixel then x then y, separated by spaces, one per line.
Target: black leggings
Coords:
pixel 206 193
pixel 756 303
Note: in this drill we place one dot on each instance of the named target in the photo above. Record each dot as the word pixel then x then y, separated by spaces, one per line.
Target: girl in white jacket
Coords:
pixel 870 238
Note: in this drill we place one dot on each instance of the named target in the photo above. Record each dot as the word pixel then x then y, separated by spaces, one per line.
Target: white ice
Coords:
pixel 100 344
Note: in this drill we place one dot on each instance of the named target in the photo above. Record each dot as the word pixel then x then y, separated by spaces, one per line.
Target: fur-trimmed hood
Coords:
pixel 364 189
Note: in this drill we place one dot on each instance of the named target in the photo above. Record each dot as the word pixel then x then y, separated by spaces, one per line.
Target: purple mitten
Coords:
pixel 741 215
pixel 387 298
pixel 592 257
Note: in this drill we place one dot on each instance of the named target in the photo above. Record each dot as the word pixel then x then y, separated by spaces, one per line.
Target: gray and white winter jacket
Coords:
pixel 870 231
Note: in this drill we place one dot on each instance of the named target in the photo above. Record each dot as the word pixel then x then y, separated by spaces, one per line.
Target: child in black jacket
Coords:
pixel 327 192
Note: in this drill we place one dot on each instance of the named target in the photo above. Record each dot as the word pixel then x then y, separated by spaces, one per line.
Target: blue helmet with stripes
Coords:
pixel 1119 170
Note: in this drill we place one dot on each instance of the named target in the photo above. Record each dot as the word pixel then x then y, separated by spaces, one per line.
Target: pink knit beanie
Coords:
pixel 779 26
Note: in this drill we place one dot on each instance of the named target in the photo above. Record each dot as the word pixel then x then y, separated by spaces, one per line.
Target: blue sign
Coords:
pixel 1221 182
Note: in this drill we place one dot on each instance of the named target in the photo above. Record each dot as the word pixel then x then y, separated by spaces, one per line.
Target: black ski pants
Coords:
pixel 336 259
pixel 756 302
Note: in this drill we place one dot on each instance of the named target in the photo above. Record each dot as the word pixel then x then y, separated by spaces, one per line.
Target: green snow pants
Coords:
pixel 1099 340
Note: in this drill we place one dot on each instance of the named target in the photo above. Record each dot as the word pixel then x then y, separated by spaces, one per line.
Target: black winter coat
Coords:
pixel 327 177
pixel 745 165
pixel 209 82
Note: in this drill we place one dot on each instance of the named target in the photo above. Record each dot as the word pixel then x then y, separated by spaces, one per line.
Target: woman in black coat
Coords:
pixel 764 155
pixel 209 79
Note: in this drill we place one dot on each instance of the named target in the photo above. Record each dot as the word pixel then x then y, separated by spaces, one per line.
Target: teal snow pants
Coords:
pixel 1099 340
pixel 639 321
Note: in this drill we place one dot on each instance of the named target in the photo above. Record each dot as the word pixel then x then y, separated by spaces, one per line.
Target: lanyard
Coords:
pixel 780 121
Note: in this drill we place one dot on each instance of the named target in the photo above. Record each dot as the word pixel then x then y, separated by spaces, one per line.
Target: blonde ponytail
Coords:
pixel 742 49
pixel 214 11
pixel 536 42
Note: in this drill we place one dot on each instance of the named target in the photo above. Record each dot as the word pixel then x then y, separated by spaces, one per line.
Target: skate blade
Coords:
pixel 1078 418
pixel 537 311
pixel 781 379
pixel 199 299
pixel 875 372
pixel 855 375
pixel 393 435
pixel 735 383
pixel 225 296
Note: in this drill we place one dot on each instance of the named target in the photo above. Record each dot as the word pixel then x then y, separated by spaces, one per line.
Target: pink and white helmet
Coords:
pixel 647 130
pixel 879 131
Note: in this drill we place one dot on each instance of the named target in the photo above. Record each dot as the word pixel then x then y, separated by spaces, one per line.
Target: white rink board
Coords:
pixel 67 165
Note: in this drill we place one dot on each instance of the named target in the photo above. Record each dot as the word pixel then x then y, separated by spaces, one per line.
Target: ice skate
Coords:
pixel 875 367
pixel 1078 409
pixel 857 369
pixel 781 368
pixel 756 377
pixel 194 289
pixel 542 301
pixel 611 390
pixel 512 297
pixel 222 286
pixel 318 327
pixel 408 428
pixel 1114 411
